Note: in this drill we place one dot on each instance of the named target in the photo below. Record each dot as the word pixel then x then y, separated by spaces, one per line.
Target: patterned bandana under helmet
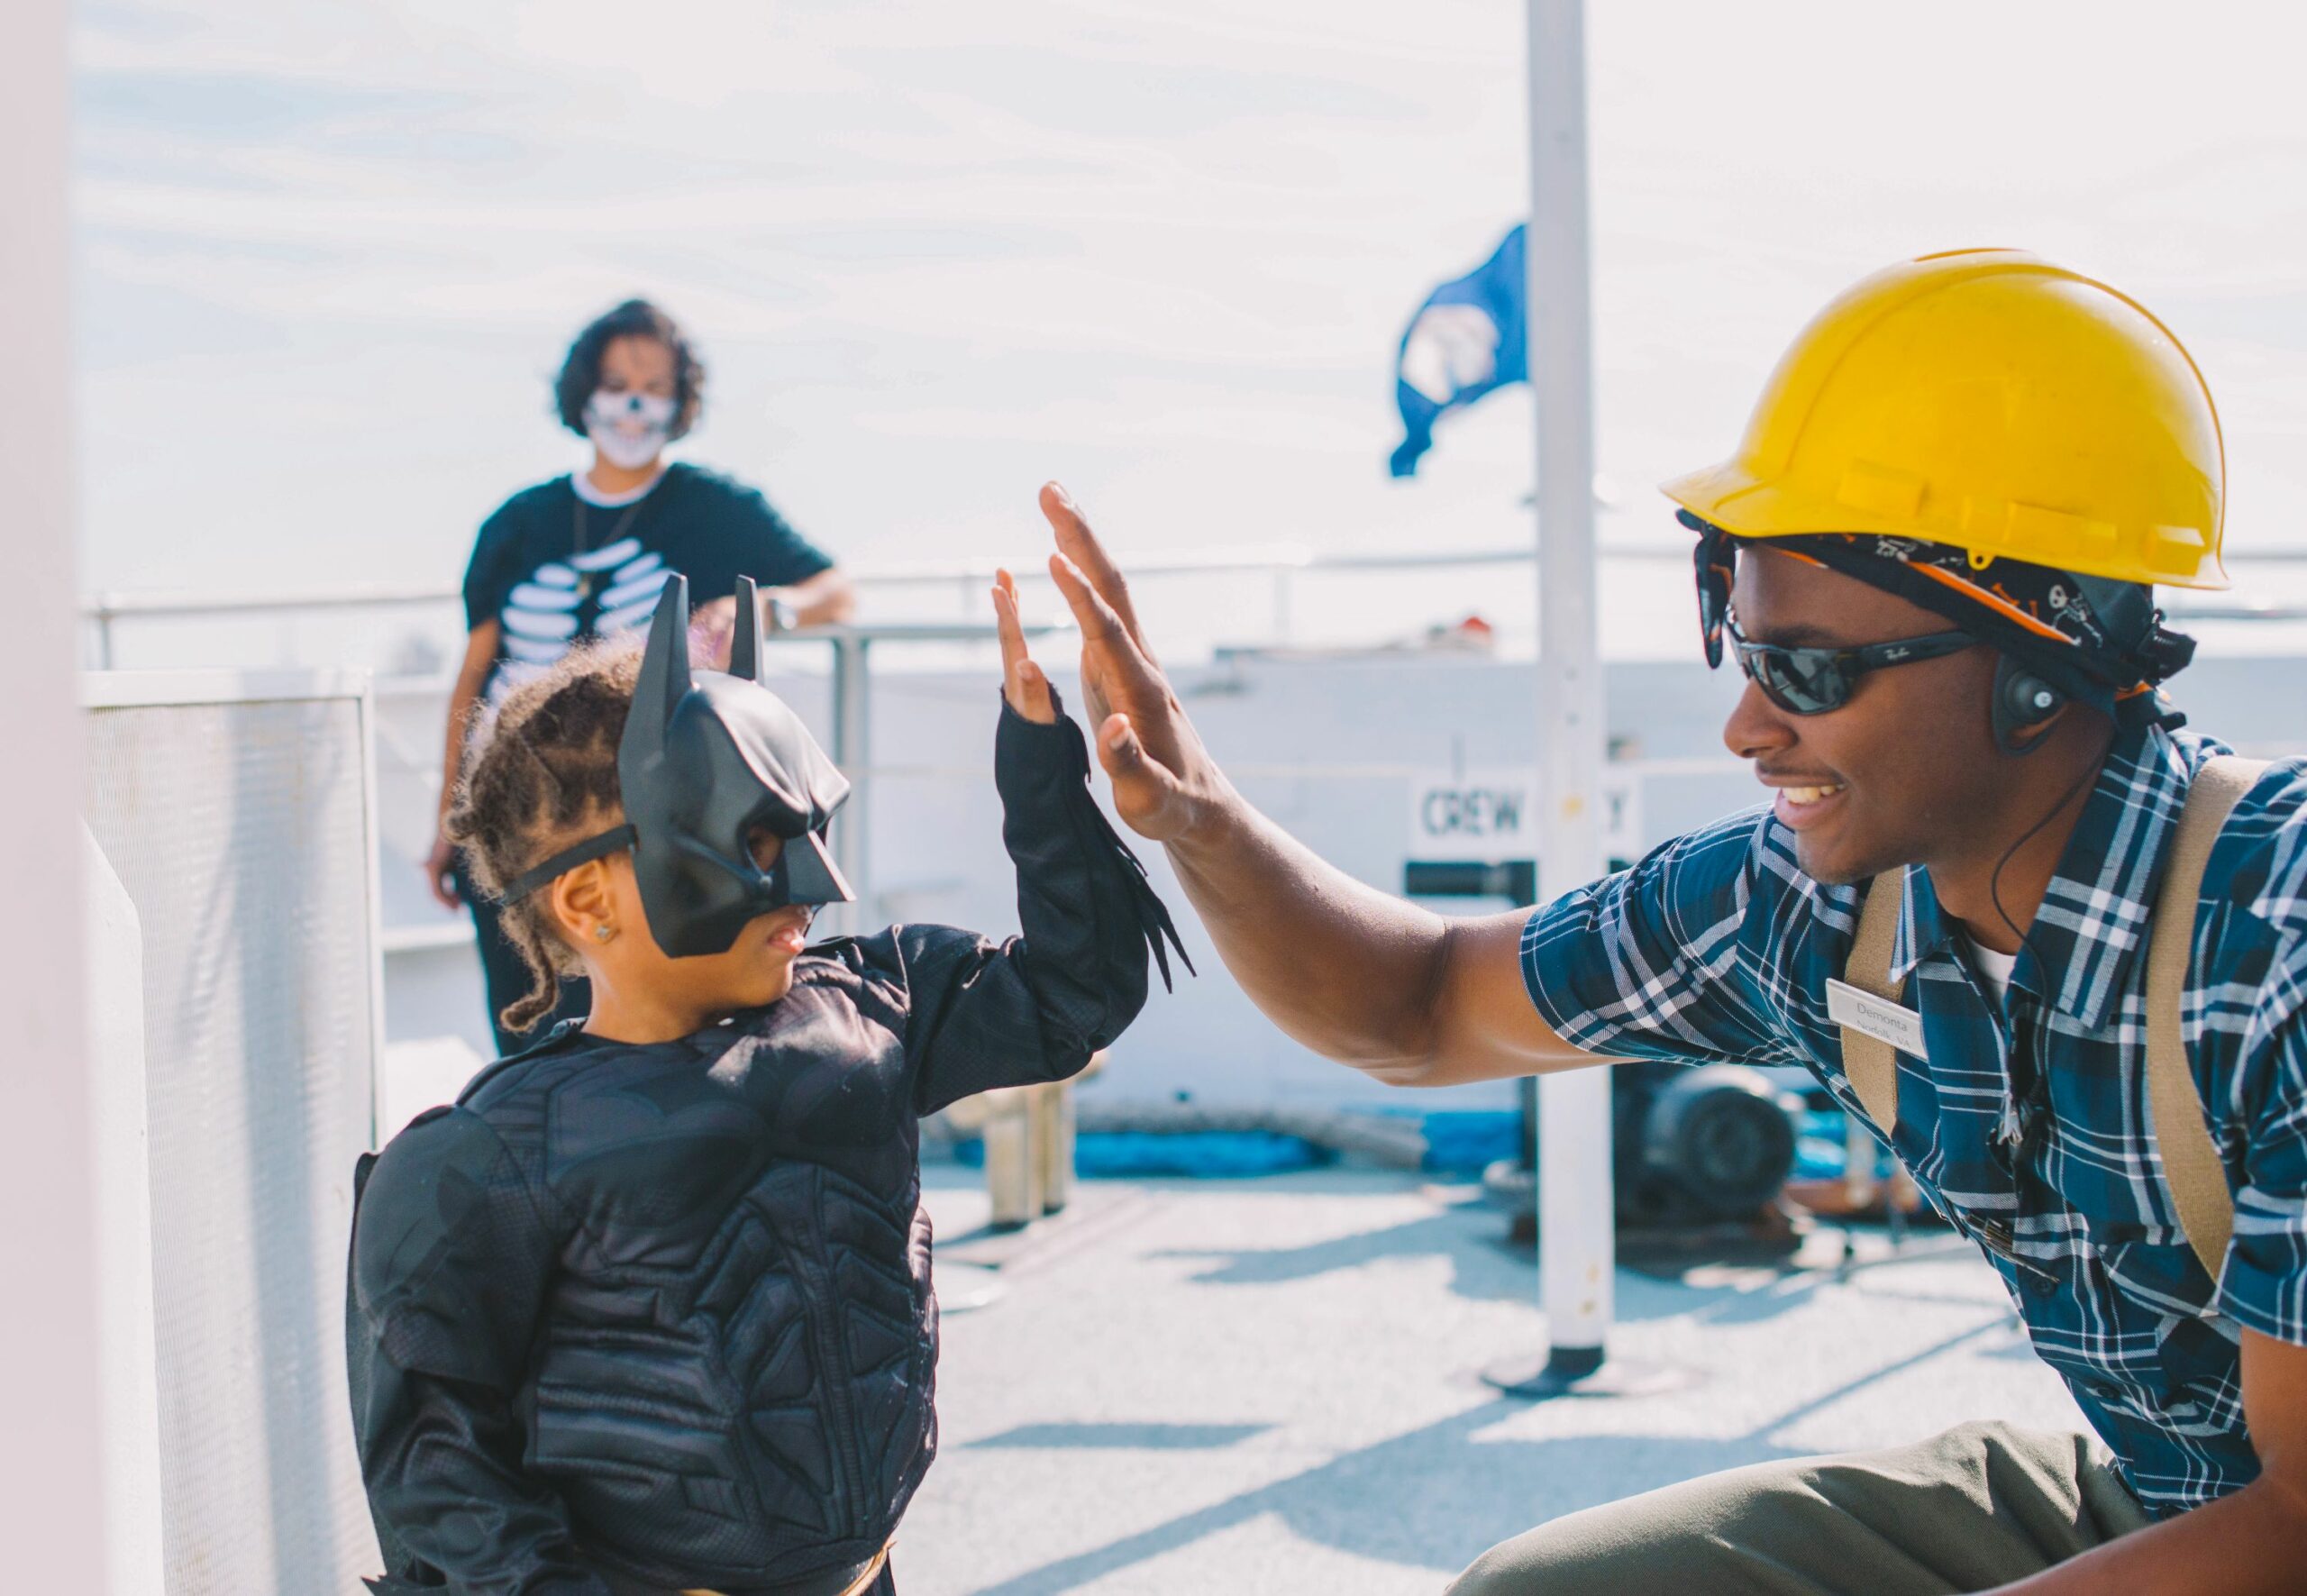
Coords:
pixel 2101 642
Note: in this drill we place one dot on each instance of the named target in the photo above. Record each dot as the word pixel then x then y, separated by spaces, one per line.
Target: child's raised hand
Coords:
pixel 1022 681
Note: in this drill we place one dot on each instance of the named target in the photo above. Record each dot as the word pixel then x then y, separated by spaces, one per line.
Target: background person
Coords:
pixel 582 556
pixel 1933 556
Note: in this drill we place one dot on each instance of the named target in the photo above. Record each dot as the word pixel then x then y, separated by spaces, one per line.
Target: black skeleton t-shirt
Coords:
pixel 553 569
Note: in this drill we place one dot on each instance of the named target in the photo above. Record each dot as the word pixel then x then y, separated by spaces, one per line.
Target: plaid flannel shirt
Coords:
pixel 2028 1127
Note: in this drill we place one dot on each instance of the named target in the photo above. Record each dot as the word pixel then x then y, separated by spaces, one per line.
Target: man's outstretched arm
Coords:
pixel 1410 998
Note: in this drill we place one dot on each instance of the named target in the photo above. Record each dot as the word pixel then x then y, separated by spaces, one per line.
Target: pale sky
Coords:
pixel 331 252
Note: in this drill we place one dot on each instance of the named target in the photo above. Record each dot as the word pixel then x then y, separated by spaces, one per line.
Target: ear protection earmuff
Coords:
pixel 2022 701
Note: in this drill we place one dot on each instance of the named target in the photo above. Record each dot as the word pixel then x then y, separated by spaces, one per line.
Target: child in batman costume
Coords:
pixel 652 1314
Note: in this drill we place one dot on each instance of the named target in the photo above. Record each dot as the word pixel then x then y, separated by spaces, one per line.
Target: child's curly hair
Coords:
pixel 539 775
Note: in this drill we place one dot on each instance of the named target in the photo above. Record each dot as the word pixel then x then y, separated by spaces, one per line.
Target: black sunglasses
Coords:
pixel 1798 680
pixel 1813 680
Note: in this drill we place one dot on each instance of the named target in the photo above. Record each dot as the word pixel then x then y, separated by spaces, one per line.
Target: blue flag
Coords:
pixel 1465 340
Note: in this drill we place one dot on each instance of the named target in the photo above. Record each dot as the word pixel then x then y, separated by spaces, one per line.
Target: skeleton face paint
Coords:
pixel 629 429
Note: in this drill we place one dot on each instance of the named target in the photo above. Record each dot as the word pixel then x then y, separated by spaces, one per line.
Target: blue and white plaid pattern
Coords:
pixel 2028 1126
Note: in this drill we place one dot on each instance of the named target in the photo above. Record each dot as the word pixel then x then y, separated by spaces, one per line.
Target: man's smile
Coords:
pixel 1802 802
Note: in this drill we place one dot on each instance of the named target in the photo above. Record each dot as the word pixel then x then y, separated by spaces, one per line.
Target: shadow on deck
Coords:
pixel 1270 1386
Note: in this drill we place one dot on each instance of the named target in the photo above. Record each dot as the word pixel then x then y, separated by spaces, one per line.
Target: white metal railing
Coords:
pixel 966 580
pixel 1281 564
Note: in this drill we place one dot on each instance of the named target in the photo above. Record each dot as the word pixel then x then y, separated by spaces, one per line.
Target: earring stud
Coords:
pixel 603 933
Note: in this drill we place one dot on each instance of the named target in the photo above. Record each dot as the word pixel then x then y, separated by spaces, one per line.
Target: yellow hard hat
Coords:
pixel 1990 400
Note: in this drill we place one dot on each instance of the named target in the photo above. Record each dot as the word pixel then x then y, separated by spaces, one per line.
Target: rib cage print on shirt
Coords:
pixel 551 569
pixel 596 593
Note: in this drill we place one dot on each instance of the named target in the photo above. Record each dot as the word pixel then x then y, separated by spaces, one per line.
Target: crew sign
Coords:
pixel 1491 814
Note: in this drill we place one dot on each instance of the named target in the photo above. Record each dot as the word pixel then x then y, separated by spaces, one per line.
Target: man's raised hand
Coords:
pixel 1164 782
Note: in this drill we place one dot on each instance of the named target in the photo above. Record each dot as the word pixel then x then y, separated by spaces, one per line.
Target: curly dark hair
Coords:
pixel 580 369
pixel 540 775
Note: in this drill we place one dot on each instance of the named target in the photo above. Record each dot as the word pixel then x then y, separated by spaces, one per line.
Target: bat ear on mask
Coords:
pixel 664 680
pixel 744 644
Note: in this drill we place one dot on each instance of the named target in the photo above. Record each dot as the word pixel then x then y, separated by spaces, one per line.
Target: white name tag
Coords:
pixel 1878 1018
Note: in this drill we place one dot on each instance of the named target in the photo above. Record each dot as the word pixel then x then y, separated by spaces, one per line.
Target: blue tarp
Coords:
pixel 1210 1154
pixel 1467 1141
pixel 1459 1142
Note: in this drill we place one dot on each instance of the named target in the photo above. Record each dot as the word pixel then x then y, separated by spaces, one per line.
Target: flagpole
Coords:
pixel 1576 1244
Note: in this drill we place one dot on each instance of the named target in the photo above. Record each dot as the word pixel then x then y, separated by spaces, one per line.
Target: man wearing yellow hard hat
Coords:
pixel 2052 947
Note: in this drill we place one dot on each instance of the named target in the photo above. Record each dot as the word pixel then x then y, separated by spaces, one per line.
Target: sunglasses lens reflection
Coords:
pixel 1714 570
pixel 1801 681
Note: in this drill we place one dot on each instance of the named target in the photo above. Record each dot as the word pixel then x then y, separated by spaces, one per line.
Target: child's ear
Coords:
pixel 582 903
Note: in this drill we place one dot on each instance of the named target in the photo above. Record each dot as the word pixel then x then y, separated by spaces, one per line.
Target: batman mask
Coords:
pixel 709 758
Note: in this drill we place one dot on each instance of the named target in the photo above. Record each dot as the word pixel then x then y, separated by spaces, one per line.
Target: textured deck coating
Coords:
pixel 1271 1386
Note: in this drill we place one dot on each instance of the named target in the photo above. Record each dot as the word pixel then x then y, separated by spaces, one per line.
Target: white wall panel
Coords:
pixel 241 831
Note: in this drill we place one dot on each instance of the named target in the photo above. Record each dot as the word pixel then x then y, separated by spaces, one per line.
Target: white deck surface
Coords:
pixel 1271 1385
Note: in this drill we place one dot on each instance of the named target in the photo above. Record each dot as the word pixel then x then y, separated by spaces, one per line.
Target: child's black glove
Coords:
pixel 1068 854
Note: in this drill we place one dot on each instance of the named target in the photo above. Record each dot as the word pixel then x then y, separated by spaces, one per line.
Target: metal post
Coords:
pixel 852 751
pixel 1576 1243
pixel 52 1466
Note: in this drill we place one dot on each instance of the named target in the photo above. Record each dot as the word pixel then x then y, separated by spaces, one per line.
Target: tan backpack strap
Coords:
pixel 2191 1162
pixel 1872 1066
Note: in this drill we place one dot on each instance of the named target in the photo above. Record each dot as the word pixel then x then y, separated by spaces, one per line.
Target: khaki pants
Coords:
pixel 1979 1506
